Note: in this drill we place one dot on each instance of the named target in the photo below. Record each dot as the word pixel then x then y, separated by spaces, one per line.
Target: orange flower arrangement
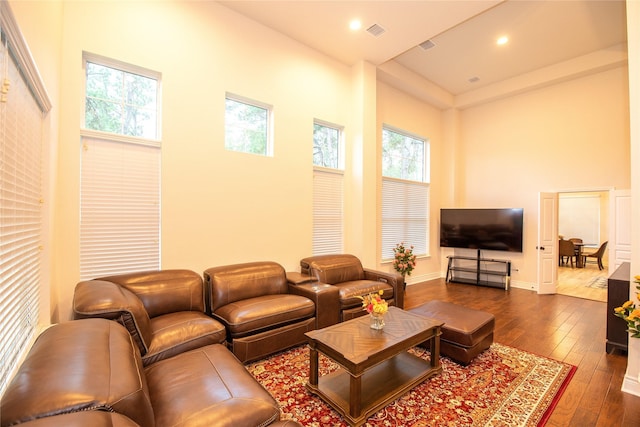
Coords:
pixel 630 313
pixel 374 303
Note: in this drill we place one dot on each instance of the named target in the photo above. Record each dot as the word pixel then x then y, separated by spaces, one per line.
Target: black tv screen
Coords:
pixel 490 229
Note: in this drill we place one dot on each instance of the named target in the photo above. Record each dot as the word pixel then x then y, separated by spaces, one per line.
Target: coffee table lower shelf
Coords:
pixel 380 385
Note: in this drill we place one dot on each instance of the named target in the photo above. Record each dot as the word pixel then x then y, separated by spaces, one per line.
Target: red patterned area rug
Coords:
pixel 502 387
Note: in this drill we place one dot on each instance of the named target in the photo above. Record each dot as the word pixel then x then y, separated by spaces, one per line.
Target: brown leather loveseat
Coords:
pixel 164 311
pixel 89 373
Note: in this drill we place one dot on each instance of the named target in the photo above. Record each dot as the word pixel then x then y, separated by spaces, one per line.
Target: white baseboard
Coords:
pixel 631 385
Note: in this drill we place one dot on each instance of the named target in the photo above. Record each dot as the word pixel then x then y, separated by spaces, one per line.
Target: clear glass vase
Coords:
pixel 377 321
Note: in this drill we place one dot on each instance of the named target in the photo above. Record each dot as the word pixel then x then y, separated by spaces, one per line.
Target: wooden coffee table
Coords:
pixel 375 365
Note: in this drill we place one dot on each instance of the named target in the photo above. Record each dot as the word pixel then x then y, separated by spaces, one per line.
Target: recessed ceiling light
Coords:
pixel 355 24
pixel 502 40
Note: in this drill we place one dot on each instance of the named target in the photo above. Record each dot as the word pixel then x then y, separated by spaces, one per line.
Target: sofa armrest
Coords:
pixel 296 278
pixel 394 279
pixel 325 297
pixel 107 300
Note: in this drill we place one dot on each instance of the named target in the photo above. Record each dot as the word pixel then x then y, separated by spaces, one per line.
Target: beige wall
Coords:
pixel 218 207
pixel 566 137
pixel 222 207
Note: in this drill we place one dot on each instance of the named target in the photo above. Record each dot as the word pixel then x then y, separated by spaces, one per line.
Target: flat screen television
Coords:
pixel 483 228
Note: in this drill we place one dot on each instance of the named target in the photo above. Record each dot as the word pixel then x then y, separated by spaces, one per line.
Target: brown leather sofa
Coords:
pixel 346 274
pixel 253 301
pixel 164 311
pixel 89 373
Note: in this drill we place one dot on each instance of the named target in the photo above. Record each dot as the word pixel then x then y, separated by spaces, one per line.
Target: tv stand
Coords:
pixel 495 273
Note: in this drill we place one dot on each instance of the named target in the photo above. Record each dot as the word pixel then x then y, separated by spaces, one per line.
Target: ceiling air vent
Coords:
pixel 427 44
pixel 376 30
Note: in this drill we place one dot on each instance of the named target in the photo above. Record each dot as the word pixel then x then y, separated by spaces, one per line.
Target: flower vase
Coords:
pixel 377 321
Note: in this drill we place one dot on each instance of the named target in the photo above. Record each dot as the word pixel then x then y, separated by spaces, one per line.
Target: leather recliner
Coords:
pixel 89 373
pixel 345 272
pixel 164 311
pixel 253 301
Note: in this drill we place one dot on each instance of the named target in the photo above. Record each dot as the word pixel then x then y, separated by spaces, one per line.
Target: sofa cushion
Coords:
pixel 333 269
pixel 350 291
pixel 76 366
pixel 237 282
pixel 265 312
pixel 205 387
pixel 176 333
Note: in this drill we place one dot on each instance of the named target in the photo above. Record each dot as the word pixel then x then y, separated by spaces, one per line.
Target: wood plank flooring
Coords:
pixel 577 282
pixel 561 327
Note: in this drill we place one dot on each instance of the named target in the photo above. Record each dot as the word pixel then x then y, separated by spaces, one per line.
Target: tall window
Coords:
pixel 23 183
pixel 120 171
pixel 405 192
pixel 327 189
pixel 247 126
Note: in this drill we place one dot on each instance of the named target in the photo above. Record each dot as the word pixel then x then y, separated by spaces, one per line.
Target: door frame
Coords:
pixel 551 288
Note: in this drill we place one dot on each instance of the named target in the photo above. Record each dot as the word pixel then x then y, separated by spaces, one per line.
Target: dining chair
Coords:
pixel 566 248
pixel 597 255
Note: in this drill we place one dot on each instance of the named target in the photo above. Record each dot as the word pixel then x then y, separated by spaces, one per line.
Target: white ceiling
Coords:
pixel 541 33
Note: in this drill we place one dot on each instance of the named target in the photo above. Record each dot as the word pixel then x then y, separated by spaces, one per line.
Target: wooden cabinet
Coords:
pixel 617 294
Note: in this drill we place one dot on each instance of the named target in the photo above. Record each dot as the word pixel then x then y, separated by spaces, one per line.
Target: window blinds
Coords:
pixel 119 208
pixel 21 183
pixel 405 216
pixel 327 212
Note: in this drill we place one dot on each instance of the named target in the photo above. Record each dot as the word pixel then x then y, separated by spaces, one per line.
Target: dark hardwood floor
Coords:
pixel 561 327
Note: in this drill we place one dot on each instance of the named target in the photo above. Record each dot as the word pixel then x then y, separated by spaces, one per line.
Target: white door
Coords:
pixel 619 246
pixel 547 243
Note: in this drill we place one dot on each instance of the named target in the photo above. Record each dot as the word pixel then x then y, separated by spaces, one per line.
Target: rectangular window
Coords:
pixel 23 182
pixel 328 182
pixel 121 102
pixel 247 126
pixel 120 170
pixel 327 151
pixel 405 192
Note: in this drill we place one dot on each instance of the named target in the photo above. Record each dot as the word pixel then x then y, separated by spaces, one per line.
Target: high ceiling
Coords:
pixel 463 33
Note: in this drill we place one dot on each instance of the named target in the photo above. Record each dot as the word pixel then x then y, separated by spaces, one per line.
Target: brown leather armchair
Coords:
pixel 164 311
pixel 345 272
pixel 253 301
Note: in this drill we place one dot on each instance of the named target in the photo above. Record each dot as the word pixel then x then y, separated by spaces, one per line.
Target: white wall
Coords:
pixel 631 383
pixel 218 207
pixel 222 207
pixel 566 137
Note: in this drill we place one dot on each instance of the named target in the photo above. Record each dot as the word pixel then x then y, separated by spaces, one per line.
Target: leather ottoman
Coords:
pixel 466 332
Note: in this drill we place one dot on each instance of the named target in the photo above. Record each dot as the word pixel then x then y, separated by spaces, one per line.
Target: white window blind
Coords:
pixel 21 184
pixel 120 207
pixel 405 215
pixel 327 211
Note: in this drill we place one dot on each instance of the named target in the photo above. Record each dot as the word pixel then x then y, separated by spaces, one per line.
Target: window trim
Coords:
pixel 127 68
pixel 341 145
pixel 426 145
pixel 90 137
pixel 269 150
pixel 425 182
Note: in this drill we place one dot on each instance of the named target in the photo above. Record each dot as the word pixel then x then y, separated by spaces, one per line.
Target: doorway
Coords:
pixel 584 215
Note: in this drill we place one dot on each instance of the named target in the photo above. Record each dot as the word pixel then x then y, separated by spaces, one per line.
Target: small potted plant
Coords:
pixel 404 261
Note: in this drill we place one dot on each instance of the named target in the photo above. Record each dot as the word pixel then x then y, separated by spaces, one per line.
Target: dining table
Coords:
pixel 579 260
